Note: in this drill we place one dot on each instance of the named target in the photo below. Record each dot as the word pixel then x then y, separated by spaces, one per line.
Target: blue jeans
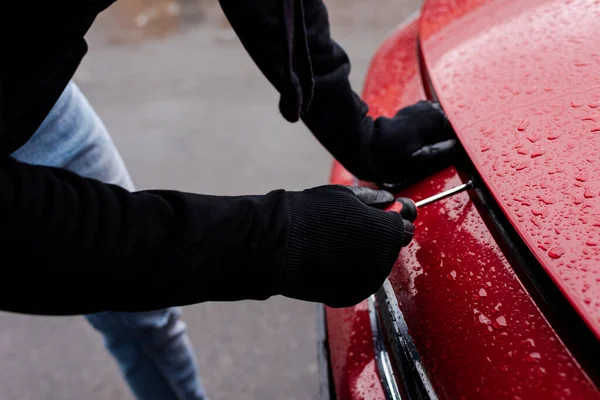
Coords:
pixel 151 348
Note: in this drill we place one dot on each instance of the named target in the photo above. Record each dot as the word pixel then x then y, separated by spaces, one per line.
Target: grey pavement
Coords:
pixel 190 111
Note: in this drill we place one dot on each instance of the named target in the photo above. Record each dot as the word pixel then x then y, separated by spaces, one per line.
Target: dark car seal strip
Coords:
pixel 384 365
pixel 417 383
pixel 326 389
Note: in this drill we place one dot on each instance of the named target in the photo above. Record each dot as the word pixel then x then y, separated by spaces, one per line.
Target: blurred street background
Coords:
pixel 190 111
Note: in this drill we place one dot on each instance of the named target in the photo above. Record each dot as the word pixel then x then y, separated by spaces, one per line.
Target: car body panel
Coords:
pixel 519 81
pixel 353 363
pixel 477 331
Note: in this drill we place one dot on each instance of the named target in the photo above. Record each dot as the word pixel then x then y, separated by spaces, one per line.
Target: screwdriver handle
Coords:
pixel 405 207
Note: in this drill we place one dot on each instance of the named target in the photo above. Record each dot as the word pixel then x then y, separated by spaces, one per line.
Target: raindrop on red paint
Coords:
pixel 451 275
pixel 589 193
pixel 554 136
pixel 499 323
pixel 583 177
pixel 522 166
pixel 538 153
pixel 533 358
pixel 556 252
pixel 523 125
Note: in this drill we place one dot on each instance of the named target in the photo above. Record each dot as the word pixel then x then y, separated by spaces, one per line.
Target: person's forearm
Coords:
pixel 337 116
pixel 72 245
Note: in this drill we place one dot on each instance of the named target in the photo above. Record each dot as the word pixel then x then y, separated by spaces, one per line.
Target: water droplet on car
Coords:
pixel 533 358
pixel 483 319
pixel 548 200
pixel 589 193
pixel 554 136
pixel 538 153
pixel 522 166
pixel 523 125
pixel 556 252
pixel 530 341
pixel 499 323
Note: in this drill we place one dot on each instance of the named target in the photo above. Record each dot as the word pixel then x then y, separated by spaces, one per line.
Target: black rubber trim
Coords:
pixel 387 376
pixel 566 321
pixel 413 380
pixel 326 386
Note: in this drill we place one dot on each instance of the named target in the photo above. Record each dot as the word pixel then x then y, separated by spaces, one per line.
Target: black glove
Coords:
pixel 341 247
pixel 416 142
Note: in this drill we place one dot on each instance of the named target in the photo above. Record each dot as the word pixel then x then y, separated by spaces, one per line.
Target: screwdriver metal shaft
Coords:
pixel 443 195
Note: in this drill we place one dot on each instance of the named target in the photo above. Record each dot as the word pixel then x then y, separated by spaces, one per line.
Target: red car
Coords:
pixel 498 296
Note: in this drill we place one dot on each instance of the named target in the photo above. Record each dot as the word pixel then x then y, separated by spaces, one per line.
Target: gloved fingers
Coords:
pixel 409 233
pixel 409 209
pixel 423 162
pixel 437 106
pixel 421 107
pixel 373 198
pixel 439 150
pixel 428 121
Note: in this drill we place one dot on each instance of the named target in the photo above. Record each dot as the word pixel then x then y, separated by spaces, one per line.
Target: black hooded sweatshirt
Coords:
pixel 72 245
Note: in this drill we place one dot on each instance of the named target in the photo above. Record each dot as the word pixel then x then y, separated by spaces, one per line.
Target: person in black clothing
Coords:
pixel 151 250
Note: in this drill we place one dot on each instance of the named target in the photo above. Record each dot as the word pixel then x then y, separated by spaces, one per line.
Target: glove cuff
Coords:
pixel 329 238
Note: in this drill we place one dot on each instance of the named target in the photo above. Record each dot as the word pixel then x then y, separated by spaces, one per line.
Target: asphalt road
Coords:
pixel 190 111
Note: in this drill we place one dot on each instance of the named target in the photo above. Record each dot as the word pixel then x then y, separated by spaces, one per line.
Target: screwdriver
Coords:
pixel 408 208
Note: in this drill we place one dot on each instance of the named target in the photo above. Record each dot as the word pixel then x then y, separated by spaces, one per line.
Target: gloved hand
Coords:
pixel 341 246
pixel 400 150
pixel 416 142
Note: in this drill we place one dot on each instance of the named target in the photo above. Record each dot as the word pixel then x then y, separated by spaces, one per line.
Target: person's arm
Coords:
pixel 71 245
pixel 410 145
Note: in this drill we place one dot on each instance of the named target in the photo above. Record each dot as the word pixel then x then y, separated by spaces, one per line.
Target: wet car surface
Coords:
pixel 465 314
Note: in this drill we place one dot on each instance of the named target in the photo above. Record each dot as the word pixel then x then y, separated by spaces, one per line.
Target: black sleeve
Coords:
pixel 337 116
pixel 72 245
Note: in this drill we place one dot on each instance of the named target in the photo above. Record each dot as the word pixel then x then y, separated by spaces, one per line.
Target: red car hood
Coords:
pixel 520 81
